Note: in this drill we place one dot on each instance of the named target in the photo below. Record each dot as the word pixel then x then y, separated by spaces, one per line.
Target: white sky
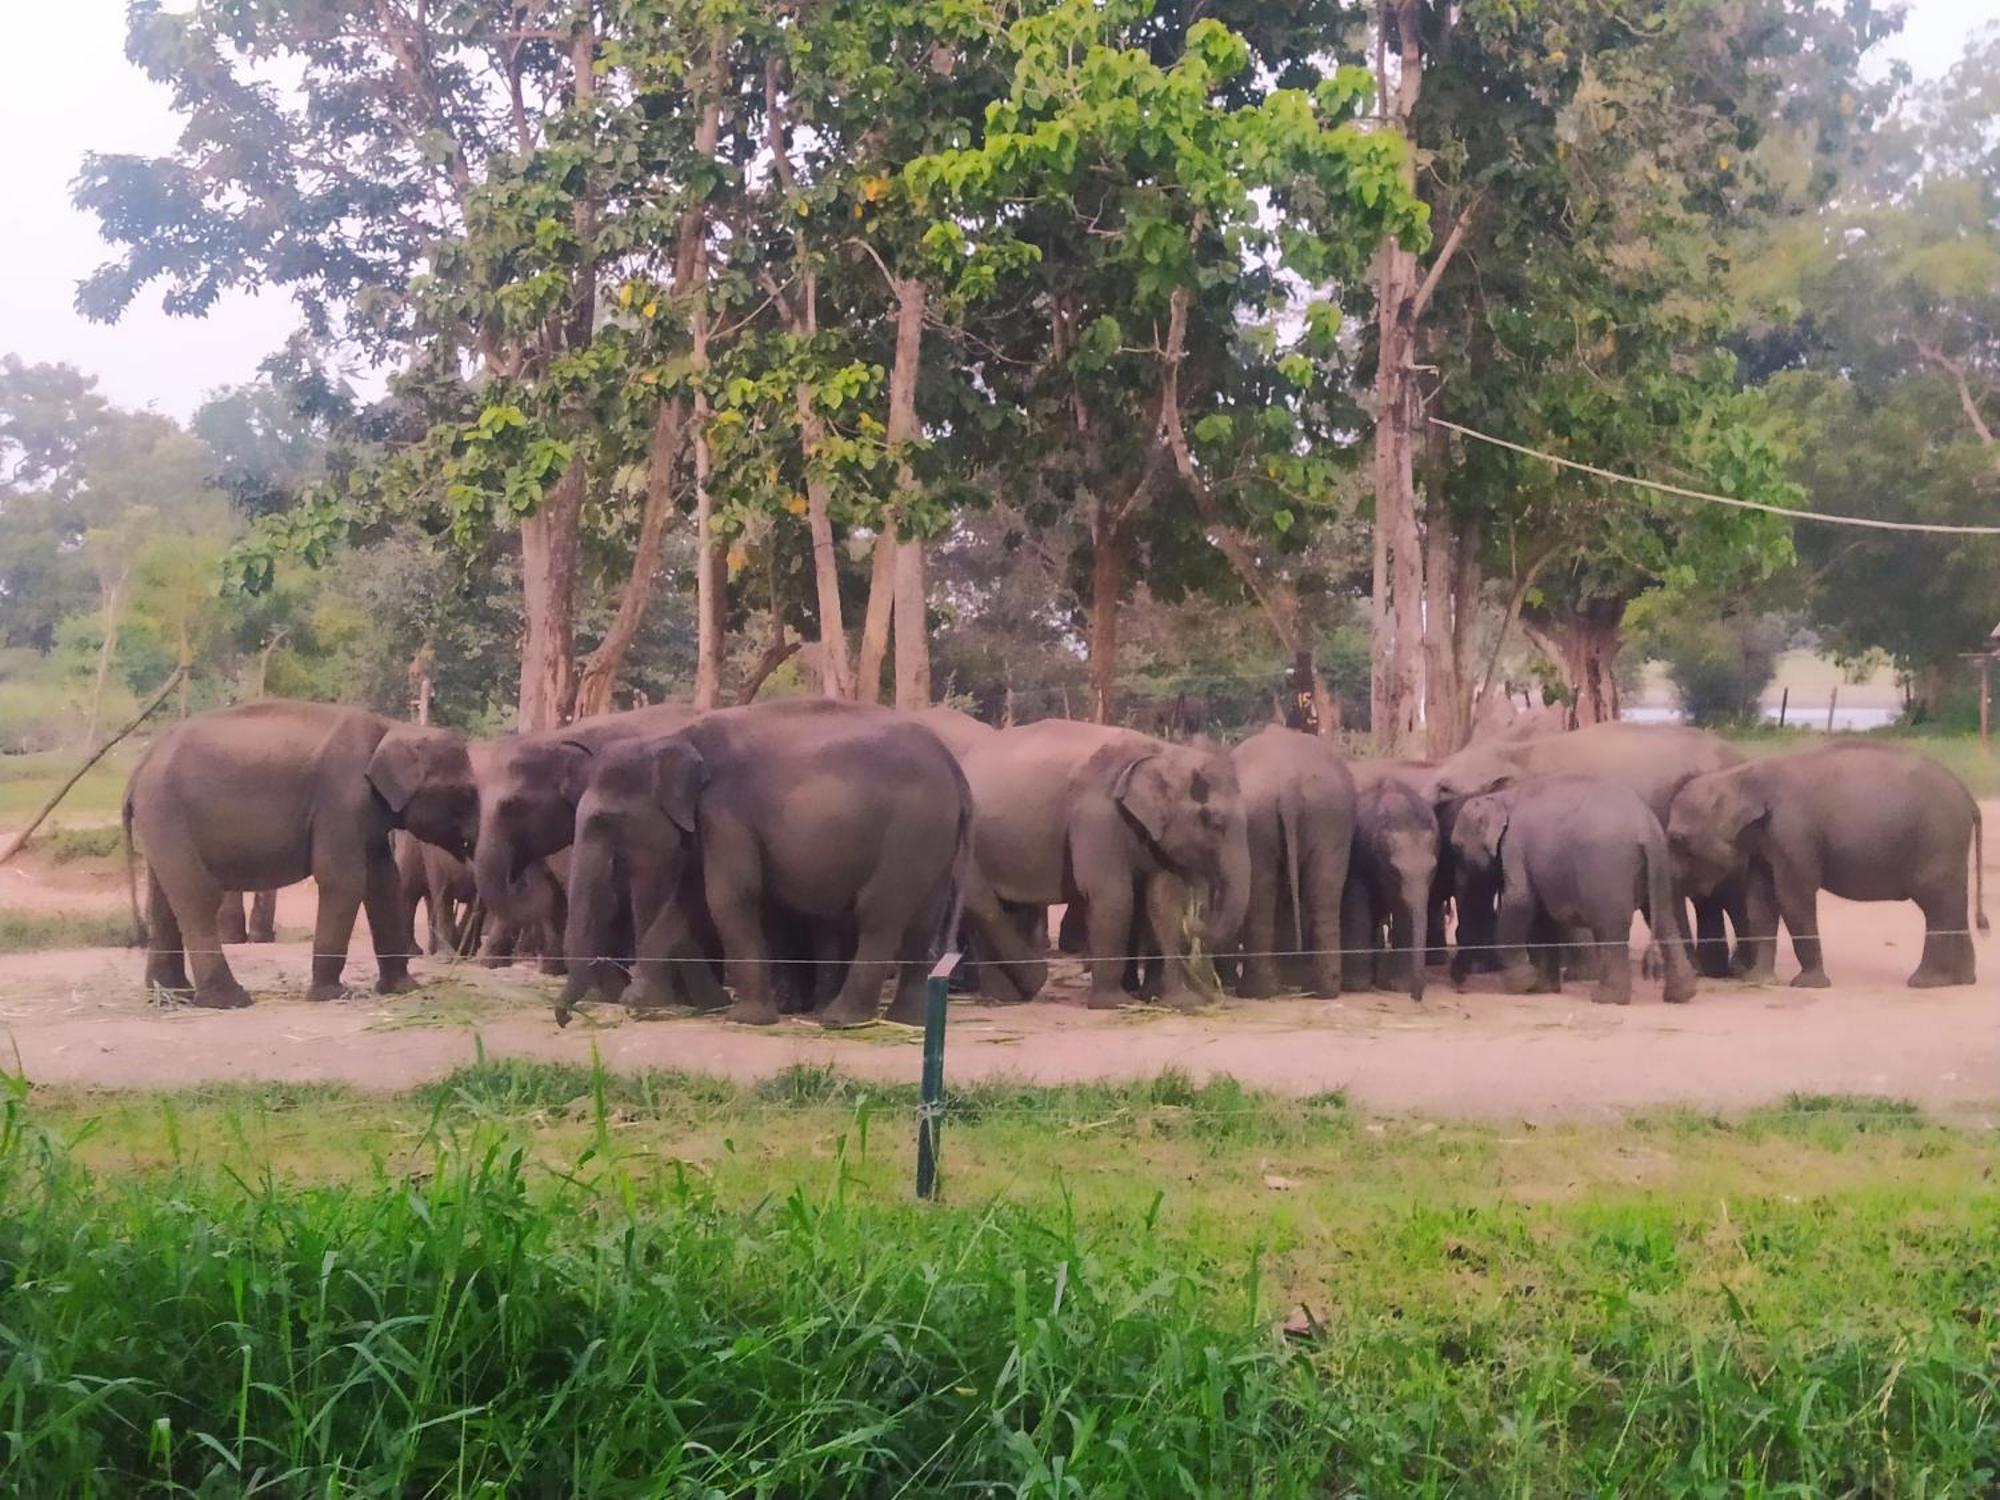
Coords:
pixel 66 88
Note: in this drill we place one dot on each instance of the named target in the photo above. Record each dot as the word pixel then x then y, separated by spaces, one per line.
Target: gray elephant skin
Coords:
pixel 1866 822
pixel 1298 806
pixel 1392 878
pixel 1654 760
pixel 260 925
pixel 1575 855
pixel 529 786
pixel 1132 827
pixel 261 796
pixel 853 818
pixel 443 885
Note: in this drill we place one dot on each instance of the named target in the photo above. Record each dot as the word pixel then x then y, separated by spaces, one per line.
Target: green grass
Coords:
pixel 1959 753
pixel 541 1279
pixel 27 781
pixel 30 931
pixel 68 846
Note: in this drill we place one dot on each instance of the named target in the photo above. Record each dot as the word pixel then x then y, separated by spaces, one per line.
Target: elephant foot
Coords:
pixel 1417 993
pixel 1937 979
pixel 1255 986
pixel 1678 991
pixel 1603 995
pixel 1180 997
pixel 551 968
pixel 1812 979
pixel 842 1014
pixel 496 961
pixel 908 1012
pixel 1752 973
pixel 1106 1000
pixel 398 984
pixel 1520 981
pixel 329 990
pixel 753 1013
pixel 231 996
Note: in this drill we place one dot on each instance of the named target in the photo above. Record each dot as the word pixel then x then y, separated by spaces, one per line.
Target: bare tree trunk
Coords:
pixel 1107 582
pixel 1583 647
pixel 836 674
pixel 604 666
pixel 548 601
pixel 1395 660
pixel 875 625
pixel 107 648
pixel 710 577
pixel 912 631
pixel 1446 725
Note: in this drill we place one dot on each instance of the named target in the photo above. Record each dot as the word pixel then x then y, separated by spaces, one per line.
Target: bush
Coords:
pixel 1720 666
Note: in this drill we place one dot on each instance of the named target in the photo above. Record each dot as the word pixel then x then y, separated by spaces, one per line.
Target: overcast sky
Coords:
pixel 66 88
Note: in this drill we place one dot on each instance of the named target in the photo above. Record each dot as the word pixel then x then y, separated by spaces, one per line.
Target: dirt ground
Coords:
pixel 78 1017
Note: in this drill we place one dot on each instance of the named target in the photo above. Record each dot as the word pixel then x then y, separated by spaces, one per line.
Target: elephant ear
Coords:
pixel 574 765
pixel 678 777
pixel 1142 790
pixel 407 759
pixel 1741 808
pixel 1479 829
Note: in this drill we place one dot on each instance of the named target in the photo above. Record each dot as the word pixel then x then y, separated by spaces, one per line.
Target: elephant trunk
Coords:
pixel 1229 890
pixel 1417 896
pixel 593 898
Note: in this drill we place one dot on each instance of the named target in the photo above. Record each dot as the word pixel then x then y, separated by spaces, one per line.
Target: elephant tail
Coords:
pixel 961 875
pixel 1979 870
pixel 1288 835
pixel 131 872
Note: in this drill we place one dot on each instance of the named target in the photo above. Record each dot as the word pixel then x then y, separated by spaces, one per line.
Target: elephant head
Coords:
pixel 1473 772
pixel 424 777
pixel 1184 802
pixel 1477 827
pixel 1715 824
pixel 529 786
pixel 637 819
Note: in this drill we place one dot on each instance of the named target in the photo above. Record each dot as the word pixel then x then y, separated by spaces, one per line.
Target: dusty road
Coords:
pixel 77 1017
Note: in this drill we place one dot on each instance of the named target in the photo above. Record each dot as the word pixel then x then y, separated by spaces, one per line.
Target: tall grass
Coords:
pixel 473 1312
pixel 27 931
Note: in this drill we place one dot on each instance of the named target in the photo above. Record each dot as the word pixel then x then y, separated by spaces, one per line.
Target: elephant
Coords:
pixel 845 815
pixel 1391 876
pixel 959 731
pixel 1298 804
pixel 1132 827
pixel 1654 760
pixel 443 885
pixel 529 785
pixel 260 796
pixel 261 926
pixel 1573 854
pixel 1867 822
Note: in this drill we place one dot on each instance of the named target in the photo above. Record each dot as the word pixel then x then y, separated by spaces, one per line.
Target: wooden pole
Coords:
pixel 1986 704
pixel 1784 704
pixel 1832 698
pixel 20 840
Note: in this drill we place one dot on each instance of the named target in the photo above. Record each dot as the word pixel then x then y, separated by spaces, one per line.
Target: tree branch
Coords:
pixel 1443 258
pixel 1932 354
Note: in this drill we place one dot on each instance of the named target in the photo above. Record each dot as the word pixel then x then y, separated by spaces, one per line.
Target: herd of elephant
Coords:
pixel 803 854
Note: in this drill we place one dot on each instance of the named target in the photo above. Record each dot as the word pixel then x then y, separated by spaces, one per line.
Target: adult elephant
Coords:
pixel 1298 807
pixel 1572 854
pixel 1867 822
pixel 1391 901
pixel 529 786
pixel 1654 760
pixel 959 731
pixel 1132 827
pixel 257 797
pixel 850 817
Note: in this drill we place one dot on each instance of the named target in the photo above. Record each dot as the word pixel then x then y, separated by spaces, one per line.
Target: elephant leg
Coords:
pixel 1798 905
pixel 339 901
pixel 264 917
pixel 882 921
pixel 1167 901
pixel 1948 953
pixel 1109 936
pixel 1073 936
pixel 1756 959
pixel 911 1000
pixel 166 963
pixel 1357 925
pixel 1582 958
pixel 230 926
pixel 1711 940
pixel 1516 917
pixel 215 987
pixel 1259 977
pixel 1013 968
pixel 388 928
pixel 1611 935
pixel 1325 883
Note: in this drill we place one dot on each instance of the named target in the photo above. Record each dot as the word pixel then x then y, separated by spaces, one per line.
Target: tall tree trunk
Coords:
pixel 875 624
pixel 604 666
pixel 548 601
pixel 710 576
pixel 1395 688
pixel 1107 582
pixel 106 650
pixel 912 630
pixel 1583 646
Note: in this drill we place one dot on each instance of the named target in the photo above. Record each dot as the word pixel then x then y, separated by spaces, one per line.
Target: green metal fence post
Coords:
pixel 930 1112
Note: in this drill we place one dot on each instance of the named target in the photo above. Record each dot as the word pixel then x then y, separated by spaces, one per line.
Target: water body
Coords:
pixel 1799 716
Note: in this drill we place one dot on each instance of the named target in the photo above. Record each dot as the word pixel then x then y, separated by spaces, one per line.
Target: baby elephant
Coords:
pixel 1574 852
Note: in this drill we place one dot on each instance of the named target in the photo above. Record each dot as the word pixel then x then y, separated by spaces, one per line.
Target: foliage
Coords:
pixel 558 1279
pixel 1719 664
